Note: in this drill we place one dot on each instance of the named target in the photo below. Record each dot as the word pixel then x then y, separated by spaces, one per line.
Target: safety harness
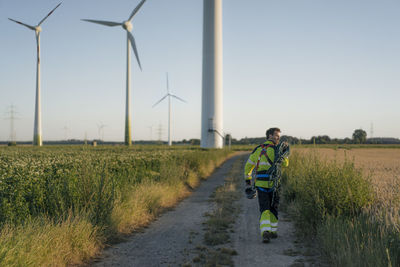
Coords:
pixel 265 176
pixel 281 151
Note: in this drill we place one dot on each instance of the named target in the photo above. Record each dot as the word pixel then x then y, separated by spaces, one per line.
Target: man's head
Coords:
pixel 273 134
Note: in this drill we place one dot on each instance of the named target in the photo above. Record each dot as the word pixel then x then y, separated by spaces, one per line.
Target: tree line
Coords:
pixel 359 137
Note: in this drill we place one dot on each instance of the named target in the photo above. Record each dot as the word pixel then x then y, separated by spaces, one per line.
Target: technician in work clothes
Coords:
pixel 268 197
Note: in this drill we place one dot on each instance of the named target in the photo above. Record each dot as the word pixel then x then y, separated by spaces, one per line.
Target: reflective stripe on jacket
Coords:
pixel 263 166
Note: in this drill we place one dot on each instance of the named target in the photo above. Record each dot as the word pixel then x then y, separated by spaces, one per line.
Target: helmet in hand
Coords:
pixel 251 192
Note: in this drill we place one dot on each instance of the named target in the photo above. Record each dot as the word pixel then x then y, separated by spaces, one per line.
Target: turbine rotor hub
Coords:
pixel 38 29
pixel 127 25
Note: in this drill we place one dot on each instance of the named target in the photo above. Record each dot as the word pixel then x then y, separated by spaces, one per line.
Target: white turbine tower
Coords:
pixel 211 114
pixel 169 95
pixel 37 131
pixel 127 25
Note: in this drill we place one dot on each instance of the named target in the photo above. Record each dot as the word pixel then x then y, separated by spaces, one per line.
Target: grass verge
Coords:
pixel 335 203
pixel 42 242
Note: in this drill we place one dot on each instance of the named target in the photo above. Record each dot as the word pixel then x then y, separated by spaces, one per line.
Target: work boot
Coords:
pixel 266 236
pixel 274 235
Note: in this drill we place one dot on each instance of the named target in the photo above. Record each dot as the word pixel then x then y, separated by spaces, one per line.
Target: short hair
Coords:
pixel 271 131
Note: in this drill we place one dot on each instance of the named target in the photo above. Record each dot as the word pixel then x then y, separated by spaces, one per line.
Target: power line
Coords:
pixel 66 130
pixel 372 130
pixel 11 116
pixel 160 132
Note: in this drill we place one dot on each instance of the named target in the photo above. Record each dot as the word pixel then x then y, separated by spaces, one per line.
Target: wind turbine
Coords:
pixel 100 128
pixel 212 112
pixel 37 131
pixel 127 25
pixel 169 95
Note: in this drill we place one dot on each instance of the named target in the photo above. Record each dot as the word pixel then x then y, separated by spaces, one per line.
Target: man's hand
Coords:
pixel 285 144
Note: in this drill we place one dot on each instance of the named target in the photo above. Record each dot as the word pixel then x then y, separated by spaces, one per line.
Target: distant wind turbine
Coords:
pixel 100 128
pixel 37 132
pixel 127 25
pixel 169 95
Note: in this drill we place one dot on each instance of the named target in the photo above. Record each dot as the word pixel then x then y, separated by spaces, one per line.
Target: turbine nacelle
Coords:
pixel 127 25
pixel 38 29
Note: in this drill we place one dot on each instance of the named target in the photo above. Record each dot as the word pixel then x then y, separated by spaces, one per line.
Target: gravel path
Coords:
pixel 167 241
pixel 173 238
pixel 252 252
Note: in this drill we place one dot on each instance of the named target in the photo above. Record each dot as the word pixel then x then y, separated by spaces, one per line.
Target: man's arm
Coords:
pixel 248 168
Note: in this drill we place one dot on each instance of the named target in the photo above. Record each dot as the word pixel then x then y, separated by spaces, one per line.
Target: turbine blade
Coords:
pixel 48 14
pixel 136 9
pixel 103 22
pixel 133 44
pixel 167 84
pixel 160 101
pixel 26 25
pixel 178 98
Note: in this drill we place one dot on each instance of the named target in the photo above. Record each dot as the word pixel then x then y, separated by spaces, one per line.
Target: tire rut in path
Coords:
pixel 166 242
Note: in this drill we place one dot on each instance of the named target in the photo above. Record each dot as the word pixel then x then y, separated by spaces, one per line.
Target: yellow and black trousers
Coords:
pixel 268 200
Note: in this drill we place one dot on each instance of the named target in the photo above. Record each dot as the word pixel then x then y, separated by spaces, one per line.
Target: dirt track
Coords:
pixel 172 239
pixel 247 240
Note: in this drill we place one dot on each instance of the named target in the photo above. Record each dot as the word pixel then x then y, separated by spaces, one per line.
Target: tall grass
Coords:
pixel 335 202
pixel 43 242
pixel 90 195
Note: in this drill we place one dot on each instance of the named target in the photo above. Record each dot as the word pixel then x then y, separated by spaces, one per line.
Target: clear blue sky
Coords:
pixel 309 67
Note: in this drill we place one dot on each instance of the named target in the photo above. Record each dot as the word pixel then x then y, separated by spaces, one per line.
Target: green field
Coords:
pixel 60 204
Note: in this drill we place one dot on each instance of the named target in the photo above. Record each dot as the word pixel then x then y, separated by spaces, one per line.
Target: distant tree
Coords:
pixel 359 136
pixel 347 140
pixel 313 140
pixel 290 139
pixel 320 139
pixel 228 138
pixel 194 142
pixel 324 139
pixel 335 141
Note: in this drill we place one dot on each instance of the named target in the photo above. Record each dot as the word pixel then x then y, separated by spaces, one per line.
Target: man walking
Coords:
pixel 266 159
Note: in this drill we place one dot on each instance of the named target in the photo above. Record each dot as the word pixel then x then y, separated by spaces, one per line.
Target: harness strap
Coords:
pixel 264 152
pixel 262 175
pixel 267 190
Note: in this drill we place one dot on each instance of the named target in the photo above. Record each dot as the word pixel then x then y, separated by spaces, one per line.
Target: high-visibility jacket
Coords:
pixel 265 163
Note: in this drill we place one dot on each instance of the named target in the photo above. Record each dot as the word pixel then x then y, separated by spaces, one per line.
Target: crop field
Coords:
pixel 350 198
pixel 380 166
pixel 59 205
